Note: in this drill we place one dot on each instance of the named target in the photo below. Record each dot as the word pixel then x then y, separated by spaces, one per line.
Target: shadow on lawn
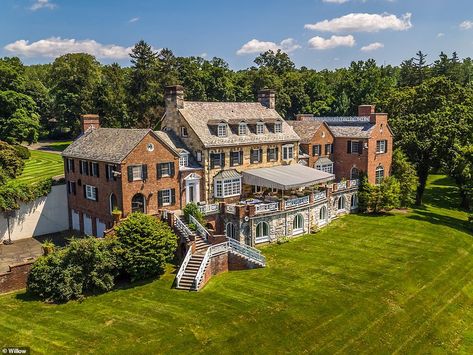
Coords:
pixel 422 214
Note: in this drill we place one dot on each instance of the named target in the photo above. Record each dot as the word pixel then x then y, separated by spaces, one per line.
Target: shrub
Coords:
pixel 23 152
pixel 377 198
pixel 145 244
pixel 192 209
pixel 85 266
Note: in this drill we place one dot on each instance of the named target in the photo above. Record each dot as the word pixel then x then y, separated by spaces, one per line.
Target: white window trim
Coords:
pixel 69 164
pixel 285 151
pixel 358 145
pixel 168 165
pixel 242 129
pixel 260 156
pixel 198 155
pixel 184 132
pixel 140 169
pixel 90 193
pixel 278 127
pixel 383 144
pixel 222 130
pixel 184 160
pixel 299 230
pixel 264 237
pixel 260 128
pixel 378 169
pixel 274 156
pixel 221 184
pixel 168 197
pixel 328 168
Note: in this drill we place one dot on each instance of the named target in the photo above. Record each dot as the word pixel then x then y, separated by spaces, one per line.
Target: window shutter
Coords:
pixel 331 148
pixel 98 170
pixel 74 188
pixel 73 164
pixel 96 194
pixel 160 198
pixel 130 173
pixel 144 171
pixel 89 169
pixel 348 147
pixel 276 155
pixel 212 161
pixel 80 167
pixel 85 193
pixel 69 187
pixel 159 170
pixel 172 168
pixel 240 157
pixel 386 146
pixel 107 172
pixel 222 157
pixel 173 196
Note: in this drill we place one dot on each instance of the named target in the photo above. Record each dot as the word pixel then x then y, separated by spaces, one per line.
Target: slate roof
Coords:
pixel 172 140
pixel 105 144
pixel 305 129
pixel 203 117
pixel 351 129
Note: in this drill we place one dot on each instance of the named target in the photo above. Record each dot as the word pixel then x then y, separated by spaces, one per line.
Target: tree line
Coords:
pixel 430 105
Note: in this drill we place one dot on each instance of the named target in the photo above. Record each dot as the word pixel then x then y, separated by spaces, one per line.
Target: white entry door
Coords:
pixel 100 228
pixel 87 225
pixel 192 188
pixel 75 221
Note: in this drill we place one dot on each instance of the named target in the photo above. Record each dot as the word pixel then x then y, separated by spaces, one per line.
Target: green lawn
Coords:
pixel 400 283
pixel 58 146
pixel 42 165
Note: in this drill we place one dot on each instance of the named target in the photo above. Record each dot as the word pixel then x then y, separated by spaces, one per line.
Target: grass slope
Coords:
pixel 399 283
pixel 42 165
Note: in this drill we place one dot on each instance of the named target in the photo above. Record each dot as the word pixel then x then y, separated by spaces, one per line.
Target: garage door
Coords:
pixel 100 228
pixel 87 225
pixel 75 221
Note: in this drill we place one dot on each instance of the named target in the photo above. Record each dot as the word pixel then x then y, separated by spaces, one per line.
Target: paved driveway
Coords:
pixel 18 252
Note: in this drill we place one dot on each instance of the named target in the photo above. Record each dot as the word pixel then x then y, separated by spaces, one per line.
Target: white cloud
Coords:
pixel 42 4
pixel 332 42
pixel 440 34
pixel 256 46
pixel 55 46
pixel 466 25
pixel 362 22
pixel 372 47
pixel 336 1
pixel 133 19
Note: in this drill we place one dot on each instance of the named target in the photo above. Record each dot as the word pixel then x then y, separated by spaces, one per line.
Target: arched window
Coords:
pixel 354 201
pixel 230 230
pixel 262 232
pixel 341 203
pixel 379 174
pixel 113 202
pixel 138 203
pixel 354 173
pixel 298 224
pixel 323 215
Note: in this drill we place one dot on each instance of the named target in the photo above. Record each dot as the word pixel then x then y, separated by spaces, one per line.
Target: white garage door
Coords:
pixel 75 221
pixel 100 228
pixel 87 225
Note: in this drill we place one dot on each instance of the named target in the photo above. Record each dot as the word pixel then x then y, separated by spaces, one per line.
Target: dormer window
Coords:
pixel 222 130
pixel 184 159
pixel 278 127
pixel 260 128
pixel 242 129
pixel 184 132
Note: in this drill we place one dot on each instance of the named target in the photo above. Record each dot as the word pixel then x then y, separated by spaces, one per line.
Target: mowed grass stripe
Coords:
pixel 42 165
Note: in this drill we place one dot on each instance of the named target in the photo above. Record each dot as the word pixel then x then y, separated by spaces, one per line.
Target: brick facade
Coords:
pixel 15 278
pixel 322 137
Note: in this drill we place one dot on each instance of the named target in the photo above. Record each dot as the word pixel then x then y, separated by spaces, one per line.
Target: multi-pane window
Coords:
pixel 95 169
pixel 287 152
pixel 278 127
pixel 328 149
pixel 184 132
pixel 242 129
pixel 381 146
pixel 110 172
pixel 379 176
pixel 70 165
pixel 184 160
pixel 84 167
pixel 316 149
pixel 137 172
pixel 272 154
pixel 90 193
pixel 236 158
pixel 198 155
pixel 166 197
pixel 165 169
pixel 227 187
pixel 217 160
pixel 256 156
pixel 328 168
pixel 355 147
pixel 260 128
pixel 222 130
pixel 71 187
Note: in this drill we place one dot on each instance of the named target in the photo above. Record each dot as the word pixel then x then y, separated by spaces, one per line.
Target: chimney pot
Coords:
pixel 267 98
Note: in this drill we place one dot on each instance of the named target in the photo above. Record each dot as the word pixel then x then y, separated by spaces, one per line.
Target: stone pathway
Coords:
pixel 18 252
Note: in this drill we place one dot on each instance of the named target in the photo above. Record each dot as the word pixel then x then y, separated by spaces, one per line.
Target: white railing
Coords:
pixel 219 249
pixel 266 207
pixel 296 202
pixel 321 195
pixel 182 227
pixel 341 185
pixel 230 209
pixel 183 266
pixel 354 182
pixel 200 228
pixel 201 273
pixel 209 209
pixel 251 253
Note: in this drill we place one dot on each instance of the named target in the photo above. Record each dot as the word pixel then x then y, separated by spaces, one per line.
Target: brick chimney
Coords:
pixel 89 121
pixel 174 97
pixel 267 98
pixel 366 110
pixel 304 117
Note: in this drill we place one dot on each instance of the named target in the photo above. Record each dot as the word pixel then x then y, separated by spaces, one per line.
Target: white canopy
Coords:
pixel 286 177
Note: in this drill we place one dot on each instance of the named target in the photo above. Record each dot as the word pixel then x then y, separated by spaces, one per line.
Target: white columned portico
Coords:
pixel 192 188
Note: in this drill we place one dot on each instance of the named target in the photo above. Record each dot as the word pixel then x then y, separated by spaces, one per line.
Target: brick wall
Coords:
pixel 344 161
pixel 323 136
pixel 15 279
pixel 380 132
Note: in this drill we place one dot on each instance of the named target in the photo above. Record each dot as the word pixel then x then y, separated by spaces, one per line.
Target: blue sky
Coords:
pixel 316 33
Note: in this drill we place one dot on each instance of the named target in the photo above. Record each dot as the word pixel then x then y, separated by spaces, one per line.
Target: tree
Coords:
pixel 460 167
pixel 11 163
pixel 405 174
pixel 146 245
pixel 278 62
pixel 74 78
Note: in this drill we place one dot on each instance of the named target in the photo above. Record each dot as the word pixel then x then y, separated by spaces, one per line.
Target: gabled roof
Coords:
pixel 105 144
pixel 351 129
pixel 203 116
pixel 173 141
pixel 306 129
